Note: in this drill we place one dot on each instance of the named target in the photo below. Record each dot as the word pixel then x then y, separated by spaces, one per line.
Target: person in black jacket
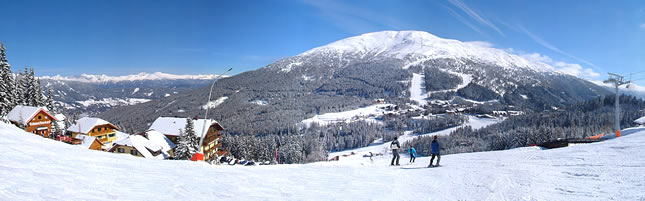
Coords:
pixel 395 146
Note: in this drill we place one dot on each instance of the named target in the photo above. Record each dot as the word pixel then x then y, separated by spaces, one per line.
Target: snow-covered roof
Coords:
pixel 173 125
pixel 161 140
pixel 145 146
pixel 86 140
pixel 21 114
pixel 85 124
pixel 156 141
pixel 60 117
pixel 640 120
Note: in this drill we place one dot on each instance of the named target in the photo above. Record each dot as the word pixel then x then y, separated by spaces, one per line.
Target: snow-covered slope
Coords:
pixel 418 46
pixel 34 168
pixel 136 77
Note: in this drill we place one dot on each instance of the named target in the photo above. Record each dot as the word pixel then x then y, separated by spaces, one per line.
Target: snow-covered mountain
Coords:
pixel 103 78
pixel 402 67
pixel 36 168
pixel 96 93
pixel 415 47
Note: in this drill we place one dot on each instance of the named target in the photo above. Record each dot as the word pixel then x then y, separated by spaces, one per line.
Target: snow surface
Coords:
pixel 113 101
pixel 368 113
pixel 214 103
pixel 260 102
pixel 137 77
pixel 135 91
pixel 640 120
pixel 419 94
pixel 417 89
pixel 418 46
pixel 36 168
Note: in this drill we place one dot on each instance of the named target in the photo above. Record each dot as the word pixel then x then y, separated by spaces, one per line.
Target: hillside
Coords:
pixel 93 94
pixel 42 169
pixel 350 73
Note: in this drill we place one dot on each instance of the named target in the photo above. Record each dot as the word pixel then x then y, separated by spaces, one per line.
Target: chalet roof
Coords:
pixel 86 140
pixel 21 114
pixel 173 125
pixel 85 124
pixel 156 141
pixel 161 140
pixel 640 120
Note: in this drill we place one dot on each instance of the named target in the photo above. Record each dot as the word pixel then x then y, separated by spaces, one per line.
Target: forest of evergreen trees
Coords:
pixel 22 88
pixel 580 120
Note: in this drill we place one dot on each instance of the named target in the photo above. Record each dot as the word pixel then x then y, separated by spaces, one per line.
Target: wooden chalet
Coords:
pixel 104 131
pixel 206 129
pixel 35 120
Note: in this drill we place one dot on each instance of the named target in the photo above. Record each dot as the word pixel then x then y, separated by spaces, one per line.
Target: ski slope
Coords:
pixel 379 147
pixel 34 168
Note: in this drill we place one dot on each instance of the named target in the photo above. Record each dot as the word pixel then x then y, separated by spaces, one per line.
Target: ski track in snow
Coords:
pixel 36 168
pixel 419 94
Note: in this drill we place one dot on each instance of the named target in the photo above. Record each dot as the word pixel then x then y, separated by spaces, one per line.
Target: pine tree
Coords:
pixel 182 152
pixel 193 146
pixel 188 143
pixel 49 102
pixel 7 96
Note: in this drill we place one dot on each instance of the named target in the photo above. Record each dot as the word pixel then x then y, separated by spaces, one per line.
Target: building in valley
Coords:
pixel 104 131
pixel 150 144
pixel 206 129
pixel 35 120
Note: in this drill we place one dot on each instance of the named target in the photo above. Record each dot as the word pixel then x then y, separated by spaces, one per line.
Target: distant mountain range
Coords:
pixel 407 68
pixel 93 94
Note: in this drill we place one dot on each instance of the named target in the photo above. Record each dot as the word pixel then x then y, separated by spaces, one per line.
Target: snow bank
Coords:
pixel 215 103
pixel 113 101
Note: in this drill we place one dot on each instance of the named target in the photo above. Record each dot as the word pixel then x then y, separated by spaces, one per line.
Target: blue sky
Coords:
pixel 587 38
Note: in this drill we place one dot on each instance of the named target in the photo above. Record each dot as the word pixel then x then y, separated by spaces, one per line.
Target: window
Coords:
pixel 133 152
pixel 40 117
pixel 100 137
pixel 120 150
pixel 112 135
pixel 99 129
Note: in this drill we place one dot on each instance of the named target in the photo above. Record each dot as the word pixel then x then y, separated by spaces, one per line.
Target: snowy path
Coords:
pixel 418 91
pixel 35 168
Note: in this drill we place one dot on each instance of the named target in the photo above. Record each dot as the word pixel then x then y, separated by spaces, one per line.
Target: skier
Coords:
pixel 413 154
pixel 395 151
pixel 435 152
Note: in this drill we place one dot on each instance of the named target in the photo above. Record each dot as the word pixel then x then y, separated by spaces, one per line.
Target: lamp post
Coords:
pixel 201 139
pixel 211 91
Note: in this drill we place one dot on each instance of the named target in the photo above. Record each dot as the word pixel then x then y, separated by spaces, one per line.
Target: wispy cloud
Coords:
pixel 642 26
pixel 474 15
pixel 564 67
pixel 551 47
pixel 463 20
pixel 355 20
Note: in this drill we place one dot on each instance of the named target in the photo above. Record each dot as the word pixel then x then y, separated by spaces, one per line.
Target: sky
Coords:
pixel 586 38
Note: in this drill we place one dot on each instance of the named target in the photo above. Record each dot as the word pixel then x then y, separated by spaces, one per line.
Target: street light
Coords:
pixel 211 91
pixel 201 139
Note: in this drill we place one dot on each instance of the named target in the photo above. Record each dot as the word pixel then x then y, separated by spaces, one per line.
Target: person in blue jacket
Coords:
pixel 413 154
pixel 435 152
